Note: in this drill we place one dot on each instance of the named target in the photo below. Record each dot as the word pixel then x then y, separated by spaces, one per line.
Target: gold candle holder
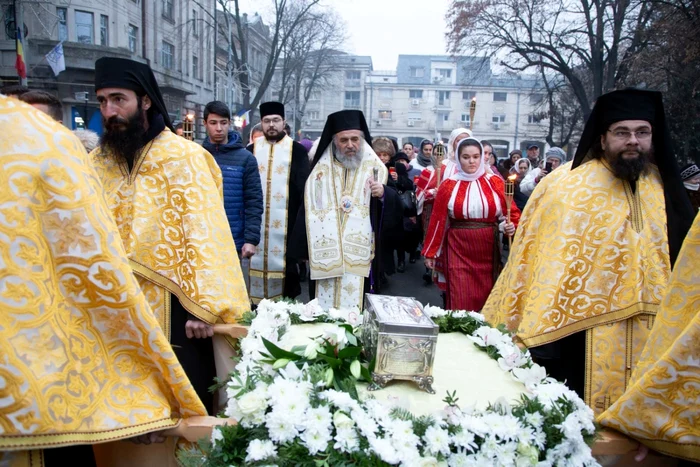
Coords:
pixel 472 112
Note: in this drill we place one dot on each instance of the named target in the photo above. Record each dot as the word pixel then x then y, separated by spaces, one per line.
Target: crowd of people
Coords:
pixel 153 239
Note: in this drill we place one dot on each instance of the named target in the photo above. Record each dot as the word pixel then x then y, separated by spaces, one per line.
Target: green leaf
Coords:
pixel 333 362
pixel 352 340
pixel 278 353
pixel 349 352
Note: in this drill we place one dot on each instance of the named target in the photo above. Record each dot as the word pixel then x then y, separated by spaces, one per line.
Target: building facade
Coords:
pixel 427 97
pixel 175 37
pixel 258 44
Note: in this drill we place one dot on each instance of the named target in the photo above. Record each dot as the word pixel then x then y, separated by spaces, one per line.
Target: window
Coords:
pixel 168 9
pixel 313 115
pixel 194 23
pixel 417 72
pixel 195 67
pixel 443 116
pixel 444 73
pixel 133 38
pixel 84 27
pixel 353 75
pixel 498 118
pixel 468 95
pixel 465 119
pixel 415 116
pixel 385 114
pixel 104 30
pixel 533 119
pixel 415 93
pixel 500 96
pixel 443 97
pixel 167 56
pixel 352 99
pixel 536 98
pixel 62 14
pixel 314 96
pixel 385 93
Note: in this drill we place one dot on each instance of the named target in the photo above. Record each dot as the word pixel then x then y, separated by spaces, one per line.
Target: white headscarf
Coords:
pixel 461 174
pixel 451 142
pixel 516 167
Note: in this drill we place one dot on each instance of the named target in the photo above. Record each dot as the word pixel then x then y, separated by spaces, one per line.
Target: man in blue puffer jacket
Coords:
pixel 243 198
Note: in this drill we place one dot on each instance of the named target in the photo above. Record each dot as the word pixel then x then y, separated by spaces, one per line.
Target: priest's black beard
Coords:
pixel 277 138
pixel 124 142
pixel 629 169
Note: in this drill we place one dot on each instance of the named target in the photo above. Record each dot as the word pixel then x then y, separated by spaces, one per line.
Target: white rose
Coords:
pixel 252 402
pixel 342 421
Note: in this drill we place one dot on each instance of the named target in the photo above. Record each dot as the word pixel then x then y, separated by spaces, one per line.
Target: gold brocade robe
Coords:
pixel 171 218
pixel 589 255
pixel 661 408
pixel 82 358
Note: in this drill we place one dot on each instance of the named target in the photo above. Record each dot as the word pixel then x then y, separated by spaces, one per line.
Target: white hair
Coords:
pixel 89 138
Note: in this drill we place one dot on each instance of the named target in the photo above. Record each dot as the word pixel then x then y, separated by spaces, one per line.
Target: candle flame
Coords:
pixel 512 178
pixel 474 99
pixel 190 117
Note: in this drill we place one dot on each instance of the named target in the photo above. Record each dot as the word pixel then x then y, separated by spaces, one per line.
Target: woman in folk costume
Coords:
pixel 468 214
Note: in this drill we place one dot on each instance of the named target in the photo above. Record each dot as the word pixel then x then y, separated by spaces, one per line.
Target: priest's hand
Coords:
pixel 248 250
pixel 377 188
pixel 429 263
pixel 198 329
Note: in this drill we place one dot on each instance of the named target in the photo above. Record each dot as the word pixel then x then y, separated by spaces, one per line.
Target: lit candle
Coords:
pixel 510 191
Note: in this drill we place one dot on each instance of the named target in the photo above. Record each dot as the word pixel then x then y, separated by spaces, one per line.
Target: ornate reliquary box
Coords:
pixel 401 339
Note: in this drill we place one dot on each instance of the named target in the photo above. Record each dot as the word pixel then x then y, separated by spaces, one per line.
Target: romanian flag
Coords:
pixel 245 119
pixel 20 64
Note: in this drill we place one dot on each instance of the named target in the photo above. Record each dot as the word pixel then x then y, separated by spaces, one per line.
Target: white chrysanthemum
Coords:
pixel 367 426
pixel 384 449
pixel 281 426
pixel 465 440
pixel 535 419
pixel 346 440
pixel 259 450
pixel 437 440
pixel 318 418
pixel 458 459
pixel 316 440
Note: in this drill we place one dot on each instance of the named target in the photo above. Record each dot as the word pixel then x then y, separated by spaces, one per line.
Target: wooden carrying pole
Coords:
pixel 510 191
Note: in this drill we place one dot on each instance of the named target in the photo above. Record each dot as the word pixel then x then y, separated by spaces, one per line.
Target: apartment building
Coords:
pixel 347 89
pixel 258 43
pixel 428 96
pixel 175 37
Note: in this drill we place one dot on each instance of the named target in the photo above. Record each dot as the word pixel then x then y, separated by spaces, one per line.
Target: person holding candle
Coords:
pixel 469 211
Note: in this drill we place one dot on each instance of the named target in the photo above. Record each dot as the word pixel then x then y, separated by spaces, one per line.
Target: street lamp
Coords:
pixel 188 127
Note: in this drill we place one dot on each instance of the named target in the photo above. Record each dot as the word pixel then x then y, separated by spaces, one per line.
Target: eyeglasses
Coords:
pixel 625 135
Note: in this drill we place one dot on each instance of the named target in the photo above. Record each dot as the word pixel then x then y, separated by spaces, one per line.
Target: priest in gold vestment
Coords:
pixel 661 407
pixel 83 359
pixel 594 250
pixel 165 194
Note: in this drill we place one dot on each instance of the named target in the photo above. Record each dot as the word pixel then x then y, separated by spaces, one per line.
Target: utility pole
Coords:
pixel 229 65
pixel 517 120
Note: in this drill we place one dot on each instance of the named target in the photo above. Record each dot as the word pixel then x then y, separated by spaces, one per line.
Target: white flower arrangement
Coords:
pixel 292 414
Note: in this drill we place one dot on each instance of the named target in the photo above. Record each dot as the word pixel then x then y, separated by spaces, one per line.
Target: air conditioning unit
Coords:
pixel 496 126
pixel 307 123
pixel 411 123
pixel 415 102
pixel 379 123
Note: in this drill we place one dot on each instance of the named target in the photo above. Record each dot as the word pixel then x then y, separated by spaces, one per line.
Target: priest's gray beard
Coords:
pixel 352 162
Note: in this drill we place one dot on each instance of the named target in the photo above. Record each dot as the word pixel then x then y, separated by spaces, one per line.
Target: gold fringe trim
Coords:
pixel 587 323
pixel 189 304
pixel 689 452
pixel 43 441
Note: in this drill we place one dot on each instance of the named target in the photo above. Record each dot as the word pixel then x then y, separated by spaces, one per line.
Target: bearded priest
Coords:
pixel 346 201
pixel 165 193
pixel 284 166
pixel 594 250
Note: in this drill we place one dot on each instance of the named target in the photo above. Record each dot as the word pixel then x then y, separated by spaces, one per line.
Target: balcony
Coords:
pixel 353 83
pixel 443 103
pixel 355 105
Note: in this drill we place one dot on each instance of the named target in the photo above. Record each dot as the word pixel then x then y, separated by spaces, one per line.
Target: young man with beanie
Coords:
pixel 243 199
